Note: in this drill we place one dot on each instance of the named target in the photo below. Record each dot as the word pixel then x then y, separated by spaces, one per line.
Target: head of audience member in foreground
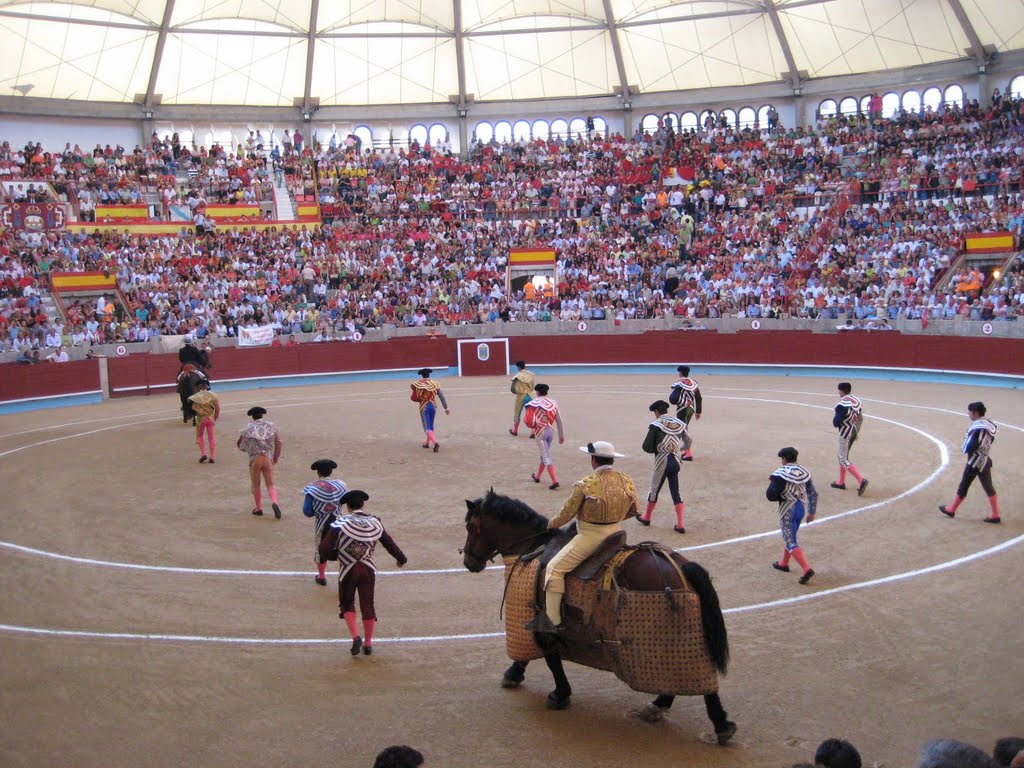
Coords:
pixel 837 753
pixel 398 756
pixel 948 753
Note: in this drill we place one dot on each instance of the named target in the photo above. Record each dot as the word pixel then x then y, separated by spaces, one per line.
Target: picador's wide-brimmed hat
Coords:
pixel 603 449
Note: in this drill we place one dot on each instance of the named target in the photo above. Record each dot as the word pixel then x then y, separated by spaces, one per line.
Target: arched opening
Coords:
pixel 828 108
pixel 521 130
pixel 669 120
pixel 503 131
pixel 762 115
pixel 484 132
pixel 1016 86
pixel 578 127
pixel 649 124
pixel 688 121
pixel 848 107
pixel 707 118
pixel 954 95
pixel 559 129
pixel 747 117
pixel 541 129
pixel 418 133
pixel 932 98
pixel 912 101
pixel 728 117
pixel 601 126
pixel 437 135
pixel 890 104
pixel 365 136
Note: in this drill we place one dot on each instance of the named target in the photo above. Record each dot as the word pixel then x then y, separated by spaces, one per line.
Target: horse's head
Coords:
pixel 497 524
pixel 478 548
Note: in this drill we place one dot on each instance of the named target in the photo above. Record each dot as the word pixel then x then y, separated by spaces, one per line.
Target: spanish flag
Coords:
pixel 538 257
pixel 988 242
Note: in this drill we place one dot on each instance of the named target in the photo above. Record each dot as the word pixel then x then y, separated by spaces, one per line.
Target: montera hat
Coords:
pixel 658 406
pixel 256 410
pixel 355 497
pixel 603 449
pixel 320 464
pixel 424 372
pixel 789 454
pixel 684 369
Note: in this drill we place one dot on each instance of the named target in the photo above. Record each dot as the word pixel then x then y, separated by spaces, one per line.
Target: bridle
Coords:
pixel 496 551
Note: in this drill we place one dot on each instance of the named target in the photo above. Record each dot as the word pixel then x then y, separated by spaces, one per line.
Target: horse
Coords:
pixel 186 384
pixel 500 525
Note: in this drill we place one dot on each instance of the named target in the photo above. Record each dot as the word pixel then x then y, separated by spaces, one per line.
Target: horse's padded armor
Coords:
pixel 652 641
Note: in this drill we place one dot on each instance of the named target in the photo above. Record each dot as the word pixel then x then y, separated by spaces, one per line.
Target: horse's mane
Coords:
pixel 508 509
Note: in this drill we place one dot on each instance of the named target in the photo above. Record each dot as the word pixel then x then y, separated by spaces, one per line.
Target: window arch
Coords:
pixel 848 106
pixel 890 104
pixel 1017 87
pixel 559 129
pixel 437 134
pixel 912 101
pixel 670 119
pixel 747 117
pixel 577 127
pixel 601 126
pixel 520 130
pixel 365 136
pixel 649 124
pixel 418 133
pixel 932 98
pixel 541 129
pixel 729 117
pixel 705 115
pixel 484 132
pixel 828 108
pixel 503 131
pixel 688 121
pixel 954 95
pixel 865 105
pixel 762 115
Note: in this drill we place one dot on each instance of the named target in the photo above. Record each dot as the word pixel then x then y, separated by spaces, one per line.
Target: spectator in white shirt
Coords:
pixel 59 356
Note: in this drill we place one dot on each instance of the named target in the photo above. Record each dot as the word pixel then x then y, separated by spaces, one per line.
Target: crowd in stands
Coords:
pixel 854 217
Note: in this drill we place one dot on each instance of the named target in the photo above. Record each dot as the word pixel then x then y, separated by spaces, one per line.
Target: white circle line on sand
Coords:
pixel 943 455
pixel 782 602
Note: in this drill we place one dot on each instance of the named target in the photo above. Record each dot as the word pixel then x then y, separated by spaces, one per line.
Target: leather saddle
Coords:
pixel 590 568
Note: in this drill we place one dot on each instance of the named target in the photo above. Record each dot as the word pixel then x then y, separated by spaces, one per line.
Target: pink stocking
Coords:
pixel 350 621
pixel 368 626
pixel 272 490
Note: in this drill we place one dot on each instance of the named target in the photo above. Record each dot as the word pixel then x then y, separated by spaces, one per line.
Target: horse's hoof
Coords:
pixel 652 713
pixel 510 682
pixel 558 702
pixel 726 733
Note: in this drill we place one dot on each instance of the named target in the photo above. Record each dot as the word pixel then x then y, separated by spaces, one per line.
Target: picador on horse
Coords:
pixel 643 612
pixel 195 363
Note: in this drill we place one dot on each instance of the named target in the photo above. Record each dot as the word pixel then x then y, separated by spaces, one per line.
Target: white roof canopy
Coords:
pixel 371 52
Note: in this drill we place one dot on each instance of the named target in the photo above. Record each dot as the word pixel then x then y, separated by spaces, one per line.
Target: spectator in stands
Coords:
pixel 59 355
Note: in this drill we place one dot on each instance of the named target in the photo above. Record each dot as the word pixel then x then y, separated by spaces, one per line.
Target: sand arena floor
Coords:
pixel 176 629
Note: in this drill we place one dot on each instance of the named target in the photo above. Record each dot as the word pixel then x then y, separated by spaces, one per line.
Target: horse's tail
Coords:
pixel 711 617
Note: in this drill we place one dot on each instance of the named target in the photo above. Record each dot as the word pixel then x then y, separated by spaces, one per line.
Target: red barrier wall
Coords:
pixel 143 373
pixel 21 381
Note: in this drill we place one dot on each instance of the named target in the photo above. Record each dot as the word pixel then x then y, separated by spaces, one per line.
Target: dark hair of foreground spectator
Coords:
pixel 1006 749
pixel 399 756
pixel 837 753
pixel 949 753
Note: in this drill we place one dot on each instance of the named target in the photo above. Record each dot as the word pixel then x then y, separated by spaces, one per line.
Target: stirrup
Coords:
pixel 542 624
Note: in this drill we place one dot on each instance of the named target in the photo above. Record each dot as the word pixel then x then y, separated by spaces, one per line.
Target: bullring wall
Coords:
pixel 41 385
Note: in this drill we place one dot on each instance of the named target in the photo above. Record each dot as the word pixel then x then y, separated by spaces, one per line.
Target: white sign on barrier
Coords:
pixel 357 336
pixel 755 325
pixel 121 350
pixel 255 337
pixel 581 326
pixel 986 328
